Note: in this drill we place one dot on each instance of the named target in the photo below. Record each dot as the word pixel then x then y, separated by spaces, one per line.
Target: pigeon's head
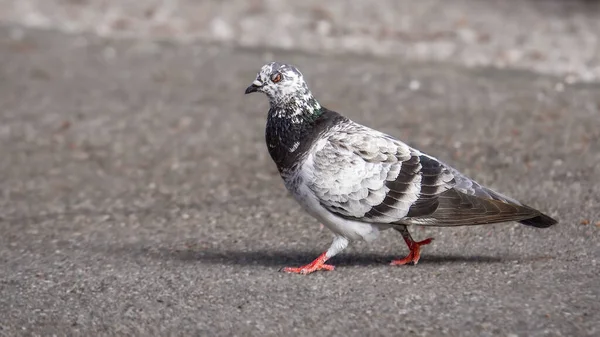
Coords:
pixel 280 82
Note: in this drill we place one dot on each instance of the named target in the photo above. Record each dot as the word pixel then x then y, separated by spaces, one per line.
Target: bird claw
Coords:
pixel 414 255
pixel 304 270
pixel 316 265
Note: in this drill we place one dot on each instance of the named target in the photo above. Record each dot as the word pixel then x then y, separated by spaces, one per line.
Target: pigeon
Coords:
pixel 358 181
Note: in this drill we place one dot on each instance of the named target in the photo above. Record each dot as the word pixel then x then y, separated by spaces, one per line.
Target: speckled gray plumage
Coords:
pixel 365 175
pixel 358 181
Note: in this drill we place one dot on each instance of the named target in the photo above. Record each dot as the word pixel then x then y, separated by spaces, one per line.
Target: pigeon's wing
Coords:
pixel 364 175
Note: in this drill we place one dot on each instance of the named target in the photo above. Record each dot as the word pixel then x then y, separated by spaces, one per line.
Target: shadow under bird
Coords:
pixel 358 181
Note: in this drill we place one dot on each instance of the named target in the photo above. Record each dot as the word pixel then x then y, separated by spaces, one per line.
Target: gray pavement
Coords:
pixel 559 37
pixel 137 197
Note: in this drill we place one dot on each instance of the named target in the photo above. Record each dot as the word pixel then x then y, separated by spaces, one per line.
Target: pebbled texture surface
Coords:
pixel 137 197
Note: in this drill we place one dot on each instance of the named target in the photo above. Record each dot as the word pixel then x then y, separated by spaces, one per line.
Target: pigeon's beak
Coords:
pixel 253 87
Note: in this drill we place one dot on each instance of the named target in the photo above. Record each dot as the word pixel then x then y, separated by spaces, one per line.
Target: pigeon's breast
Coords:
pixel 289 140
pixel 297 182
pixel 299 175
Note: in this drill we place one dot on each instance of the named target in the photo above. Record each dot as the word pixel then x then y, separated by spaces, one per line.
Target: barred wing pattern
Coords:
pixel 362 174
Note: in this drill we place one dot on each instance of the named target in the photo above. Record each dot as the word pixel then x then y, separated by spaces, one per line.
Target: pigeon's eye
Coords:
pixel 276 78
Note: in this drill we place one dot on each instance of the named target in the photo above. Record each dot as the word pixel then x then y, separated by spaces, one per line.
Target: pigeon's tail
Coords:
pixel 540 221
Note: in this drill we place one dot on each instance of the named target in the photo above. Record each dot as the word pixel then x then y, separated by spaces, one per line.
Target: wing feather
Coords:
pixel 362 174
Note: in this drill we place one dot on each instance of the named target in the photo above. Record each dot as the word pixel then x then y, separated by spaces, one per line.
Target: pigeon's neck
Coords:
pixel 293 128
pixel 298 108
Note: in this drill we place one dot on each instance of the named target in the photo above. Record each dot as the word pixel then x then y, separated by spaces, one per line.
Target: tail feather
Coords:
pixel 540 221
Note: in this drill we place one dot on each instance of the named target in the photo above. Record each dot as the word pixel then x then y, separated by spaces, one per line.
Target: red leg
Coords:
pixel 317 264
pixel 414 246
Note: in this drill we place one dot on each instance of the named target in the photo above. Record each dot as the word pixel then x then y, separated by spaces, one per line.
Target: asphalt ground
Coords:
pixel 138 198
pixel 554 37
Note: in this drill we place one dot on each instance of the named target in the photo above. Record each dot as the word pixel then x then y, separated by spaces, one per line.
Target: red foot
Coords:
pixel 415 252
pixel 317 264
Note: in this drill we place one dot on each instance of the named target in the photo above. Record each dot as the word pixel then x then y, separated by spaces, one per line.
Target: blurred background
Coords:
pixel 137 196
pixel 560 37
